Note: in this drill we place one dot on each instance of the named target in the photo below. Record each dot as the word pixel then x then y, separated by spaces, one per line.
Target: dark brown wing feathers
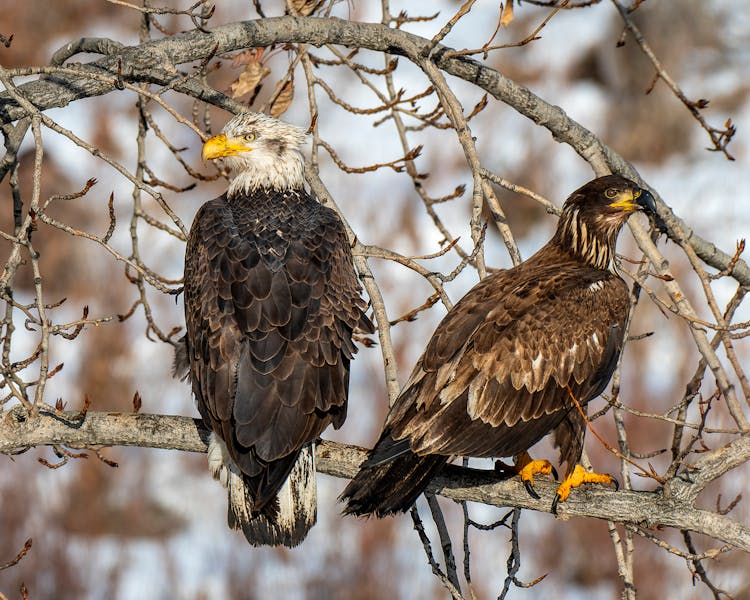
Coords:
pixel 504 356
pixel 271 301
pixel 493 379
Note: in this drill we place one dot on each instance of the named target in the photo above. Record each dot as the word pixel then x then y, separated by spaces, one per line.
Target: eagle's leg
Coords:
pixel 578 477
pixel 527 467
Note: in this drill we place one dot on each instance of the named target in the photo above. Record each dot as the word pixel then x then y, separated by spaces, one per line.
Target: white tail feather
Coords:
pixel 295 508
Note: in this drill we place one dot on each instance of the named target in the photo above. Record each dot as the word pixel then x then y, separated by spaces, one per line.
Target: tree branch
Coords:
pixel 157 61
pixel 647 510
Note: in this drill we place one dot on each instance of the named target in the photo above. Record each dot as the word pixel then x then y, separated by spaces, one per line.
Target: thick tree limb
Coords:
pixel 642 509
pixel 157 61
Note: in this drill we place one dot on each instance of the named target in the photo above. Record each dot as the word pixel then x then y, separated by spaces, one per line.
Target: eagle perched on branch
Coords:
pixel 271 301
pixel 512 359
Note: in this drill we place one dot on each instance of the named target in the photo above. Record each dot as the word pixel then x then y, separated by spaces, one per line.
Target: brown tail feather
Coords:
pixel 385 488
pixel 284 521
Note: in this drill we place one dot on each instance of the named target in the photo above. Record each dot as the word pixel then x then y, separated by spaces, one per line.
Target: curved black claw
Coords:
pixel 555 503
pixel 615 483
pixel 554 473
pixel 530 489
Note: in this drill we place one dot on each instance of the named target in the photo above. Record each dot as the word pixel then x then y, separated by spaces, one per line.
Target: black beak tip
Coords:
pixel 646 202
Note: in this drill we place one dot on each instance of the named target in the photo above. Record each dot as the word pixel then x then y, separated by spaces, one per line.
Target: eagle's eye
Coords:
pixel 611 193
pixel 250 137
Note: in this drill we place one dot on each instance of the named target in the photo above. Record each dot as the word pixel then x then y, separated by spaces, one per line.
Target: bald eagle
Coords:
pixel 271 301
pixel 500 369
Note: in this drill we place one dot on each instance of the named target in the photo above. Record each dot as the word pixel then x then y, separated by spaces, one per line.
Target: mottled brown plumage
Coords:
pixel 271 300
pixel 494 377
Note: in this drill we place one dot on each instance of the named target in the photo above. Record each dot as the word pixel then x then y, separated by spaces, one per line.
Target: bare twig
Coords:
pixel 438 572
pixel 18 557
pixel 720 138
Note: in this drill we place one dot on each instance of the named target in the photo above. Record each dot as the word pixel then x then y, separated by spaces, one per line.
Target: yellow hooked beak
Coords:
pixel 626 200
pixel 219 146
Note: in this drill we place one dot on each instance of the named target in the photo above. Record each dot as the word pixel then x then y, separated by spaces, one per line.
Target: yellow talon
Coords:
pixel 526 467
pixel 528 471
pixel 578 477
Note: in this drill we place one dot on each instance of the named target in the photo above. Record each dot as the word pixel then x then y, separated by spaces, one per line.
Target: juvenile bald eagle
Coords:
pixel 271 300
pixel 499 371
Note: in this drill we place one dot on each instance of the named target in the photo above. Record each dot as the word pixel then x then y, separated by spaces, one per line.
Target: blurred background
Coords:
pixel 155 526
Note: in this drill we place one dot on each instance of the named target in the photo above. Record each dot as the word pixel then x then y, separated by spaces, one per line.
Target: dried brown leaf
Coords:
pixel 305 7
pixel 249 79
pixel 506 17
pixel 283 100
pixel 247 56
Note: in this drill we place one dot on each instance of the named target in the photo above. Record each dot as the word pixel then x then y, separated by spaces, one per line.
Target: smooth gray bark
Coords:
pixel 673 508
